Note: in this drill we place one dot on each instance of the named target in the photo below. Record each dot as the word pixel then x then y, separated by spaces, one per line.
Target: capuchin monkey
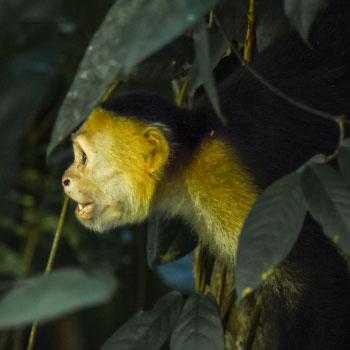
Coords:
pixel 138 154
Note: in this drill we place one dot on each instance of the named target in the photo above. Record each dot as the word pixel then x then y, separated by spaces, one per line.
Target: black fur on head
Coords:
pixel 186 127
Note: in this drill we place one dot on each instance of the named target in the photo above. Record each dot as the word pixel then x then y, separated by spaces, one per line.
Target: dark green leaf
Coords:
pixel 344 160
pixel 232 16
pixel 99 68
pixel 168 240
pixel 302 13
pixel 271 22
pixel 169 63
pixel 328 200
pixel 201 44
pixel 132 31
pixel 199 326
pixel 150 329
pixel 269 232
pixel 44 297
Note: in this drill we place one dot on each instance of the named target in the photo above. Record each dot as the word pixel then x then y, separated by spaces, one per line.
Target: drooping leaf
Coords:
pixel 132 30
pixel 45 297
pixel 97 71
pixel 328 200
pixel 271 23
pixel 169 63
pixel 269 232
pixel 201 45
pixel 199 326
pixel 232 16
pixel 168 240
pixel 344 160
pixel 148 329
pixel 302 14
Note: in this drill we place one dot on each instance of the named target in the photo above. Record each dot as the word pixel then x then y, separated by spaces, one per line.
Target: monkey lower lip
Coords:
pixel 84 210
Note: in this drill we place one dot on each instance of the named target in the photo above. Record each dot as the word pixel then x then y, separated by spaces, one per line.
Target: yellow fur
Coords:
pixel 214 193
pixel 116 148
pixel 130 174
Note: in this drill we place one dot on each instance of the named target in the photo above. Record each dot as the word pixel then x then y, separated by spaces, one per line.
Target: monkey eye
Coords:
pixel 83 157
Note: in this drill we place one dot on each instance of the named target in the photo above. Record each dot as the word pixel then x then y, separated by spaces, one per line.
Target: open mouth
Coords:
pixel 85 210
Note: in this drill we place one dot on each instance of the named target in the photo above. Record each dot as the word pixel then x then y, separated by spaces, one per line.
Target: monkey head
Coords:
pixel 118 162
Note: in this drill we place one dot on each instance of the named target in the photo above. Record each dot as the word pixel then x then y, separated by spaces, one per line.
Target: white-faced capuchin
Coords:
pixel 138 154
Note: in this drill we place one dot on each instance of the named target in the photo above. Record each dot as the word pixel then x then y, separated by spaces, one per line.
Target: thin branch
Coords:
pixel 249 39
pixel 50 263
pixel 341 124
pixel 275 90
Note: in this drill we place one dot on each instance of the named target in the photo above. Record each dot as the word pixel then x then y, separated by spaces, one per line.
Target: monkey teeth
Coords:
pixel 84 210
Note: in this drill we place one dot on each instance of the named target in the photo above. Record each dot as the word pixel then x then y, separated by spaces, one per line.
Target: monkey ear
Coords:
pixel 157 151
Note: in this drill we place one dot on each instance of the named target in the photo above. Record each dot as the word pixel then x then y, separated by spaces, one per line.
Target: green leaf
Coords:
pixel 328 200
pixel 169 63
pixel 199 326
pixel 344 160
pixel 302 14
pixel 232 16
pixel 45 297
pixel 132 31
pixel 269 232
pixel 168 240
pixel 201 45
pixel 148 329
pixel 99 68
pixel 271 23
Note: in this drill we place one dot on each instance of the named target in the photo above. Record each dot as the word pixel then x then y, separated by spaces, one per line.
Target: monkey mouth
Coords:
pixel 85 210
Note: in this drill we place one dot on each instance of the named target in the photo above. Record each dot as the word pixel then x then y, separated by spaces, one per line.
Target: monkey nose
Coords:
pixel 66 182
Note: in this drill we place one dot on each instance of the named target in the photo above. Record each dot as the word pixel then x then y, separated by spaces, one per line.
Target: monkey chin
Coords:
pixel 105 218
pixel 98 218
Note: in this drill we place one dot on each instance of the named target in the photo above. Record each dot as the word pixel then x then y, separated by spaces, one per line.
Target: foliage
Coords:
pixel 139 43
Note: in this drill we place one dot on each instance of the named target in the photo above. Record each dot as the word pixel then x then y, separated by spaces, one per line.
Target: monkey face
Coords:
pixel 118 163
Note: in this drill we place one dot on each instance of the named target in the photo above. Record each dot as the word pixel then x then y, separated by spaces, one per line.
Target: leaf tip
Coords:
pixel 246 291
pixel 265 275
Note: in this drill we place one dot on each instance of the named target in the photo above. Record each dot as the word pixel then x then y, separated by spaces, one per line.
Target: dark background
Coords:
pixel 41 45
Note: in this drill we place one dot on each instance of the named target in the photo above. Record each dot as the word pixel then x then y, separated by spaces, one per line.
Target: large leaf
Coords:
pixel 150 329
pixel 199 326
pixel 269 232
pixel 45 297
pixel 302 13
pixel 201 45
pixel 232 16
pixel 132 30
pixel 328 200
pixel 168 240
pixel 169 63
pixel 344 160
pixel 271 22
